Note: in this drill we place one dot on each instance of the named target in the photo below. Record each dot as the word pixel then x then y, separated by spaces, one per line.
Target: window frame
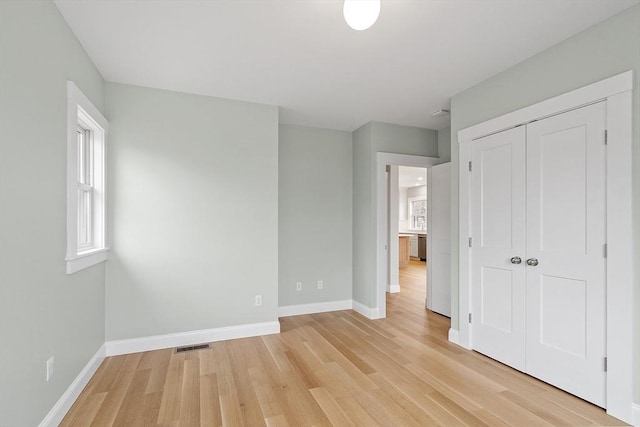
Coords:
pixel 82 114
pixel 410 201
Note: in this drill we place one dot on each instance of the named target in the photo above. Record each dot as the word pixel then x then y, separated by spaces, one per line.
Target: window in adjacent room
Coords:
pixel 417 213
pixel 86 190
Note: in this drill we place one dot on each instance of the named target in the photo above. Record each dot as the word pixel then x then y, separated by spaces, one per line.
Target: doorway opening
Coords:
pixel 388 227
pixel 412 233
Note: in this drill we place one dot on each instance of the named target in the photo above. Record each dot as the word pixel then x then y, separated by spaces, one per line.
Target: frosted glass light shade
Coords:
pixel 361 14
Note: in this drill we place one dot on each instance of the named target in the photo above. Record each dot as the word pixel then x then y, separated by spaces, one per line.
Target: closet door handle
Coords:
pixel 516 260
pixel 532 262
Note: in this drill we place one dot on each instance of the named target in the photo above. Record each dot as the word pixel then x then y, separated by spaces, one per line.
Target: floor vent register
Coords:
pixel 193 347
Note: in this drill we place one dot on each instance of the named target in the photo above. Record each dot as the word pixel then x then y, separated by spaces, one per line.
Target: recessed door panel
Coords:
pixel 563 314
pixel 496 297
pixel 563 190
pixel 496 176
pixel 498 232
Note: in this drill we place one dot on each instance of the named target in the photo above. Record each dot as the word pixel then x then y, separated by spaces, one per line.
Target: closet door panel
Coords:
pixel 498 232
pixel 566 237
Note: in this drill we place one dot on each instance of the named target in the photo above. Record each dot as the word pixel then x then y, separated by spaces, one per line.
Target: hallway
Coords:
pixel 413 284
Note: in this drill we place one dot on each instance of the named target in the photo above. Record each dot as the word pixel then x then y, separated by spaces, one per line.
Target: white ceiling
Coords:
pixel 411 177
pixel 301 55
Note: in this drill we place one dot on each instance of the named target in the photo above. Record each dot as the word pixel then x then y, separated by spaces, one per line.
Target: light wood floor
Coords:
pixel 329 369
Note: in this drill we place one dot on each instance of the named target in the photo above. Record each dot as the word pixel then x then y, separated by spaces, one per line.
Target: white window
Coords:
pixel 86 189
pixel 417 213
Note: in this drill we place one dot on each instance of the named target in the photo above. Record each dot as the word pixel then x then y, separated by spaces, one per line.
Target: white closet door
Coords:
pixel 498 232
pixel 566 235
pixel 439 235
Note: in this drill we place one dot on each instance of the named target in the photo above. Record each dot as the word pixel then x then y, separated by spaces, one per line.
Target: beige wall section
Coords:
pixel 43 311
pixel 315 204
pixel 368 140
pixel 194 212
pixel 601 51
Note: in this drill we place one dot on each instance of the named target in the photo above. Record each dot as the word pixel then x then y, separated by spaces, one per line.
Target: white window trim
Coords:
pixel 81 111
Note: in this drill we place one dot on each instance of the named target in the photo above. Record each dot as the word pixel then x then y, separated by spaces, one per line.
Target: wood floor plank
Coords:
pixel 210 400
pixel 129 412
pixel 172 392
pixel 112 403
pixel 230 410
pixel 88 411
pixel 325 369
pixel 330 407
pixel 190 401
pixel 242 359
pixel 159 363
pixel 388 390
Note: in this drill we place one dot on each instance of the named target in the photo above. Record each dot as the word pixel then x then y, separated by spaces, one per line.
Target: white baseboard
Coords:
pixel 62 406
pixel 454 336
pixel 368 312
pixel 318 307
pixel 136 345
pixel 393 289
pixel 635 414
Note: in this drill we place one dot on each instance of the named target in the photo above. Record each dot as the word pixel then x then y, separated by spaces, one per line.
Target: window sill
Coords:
pixel 86 260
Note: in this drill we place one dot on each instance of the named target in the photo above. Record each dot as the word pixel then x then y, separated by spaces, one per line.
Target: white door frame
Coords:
pixel 393 268
pixel 617 92
pixel 382 254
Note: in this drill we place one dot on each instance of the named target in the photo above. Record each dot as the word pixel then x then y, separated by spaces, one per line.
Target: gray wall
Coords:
pixel 606 49
pixel 314 210
pixel 444 145
pixel 368 140
pixel 193 212
pixel 363 209
pixel 43 311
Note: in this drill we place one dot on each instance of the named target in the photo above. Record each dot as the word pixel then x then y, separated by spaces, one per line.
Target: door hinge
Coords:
pixel 606 250
pixel 606 137
pixel 469 166
pixel 605 364
pixel 470 241
pixel 469 317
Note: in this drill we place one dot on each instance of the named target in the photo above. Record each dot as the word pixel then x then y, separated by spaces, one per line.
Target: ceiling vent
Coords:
pixel 440 113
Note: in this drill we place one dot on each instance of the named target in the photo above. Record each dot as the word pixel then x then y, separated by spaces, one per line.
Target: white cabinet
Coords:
pixel 414 246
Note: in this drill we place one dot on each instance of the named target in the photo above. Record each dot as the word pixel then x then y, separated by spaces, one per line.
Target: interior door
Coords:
pixel 498 246
pixel 439 239
pixel 566 237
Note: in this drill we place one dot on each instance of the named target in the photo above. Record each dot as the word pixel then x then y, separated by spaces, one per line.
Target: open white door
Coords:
pixel 439 239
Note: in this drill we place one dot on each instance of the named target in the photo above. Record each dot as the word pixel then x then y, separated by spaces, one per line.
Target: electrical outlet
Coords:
pixel 49 368
pixel 258 300
pixel 298 286
pixel 320 284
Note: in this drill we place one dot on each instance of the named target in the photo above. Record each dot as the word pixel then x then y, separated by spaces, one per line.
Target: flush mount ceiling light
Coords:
pixel 361 14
